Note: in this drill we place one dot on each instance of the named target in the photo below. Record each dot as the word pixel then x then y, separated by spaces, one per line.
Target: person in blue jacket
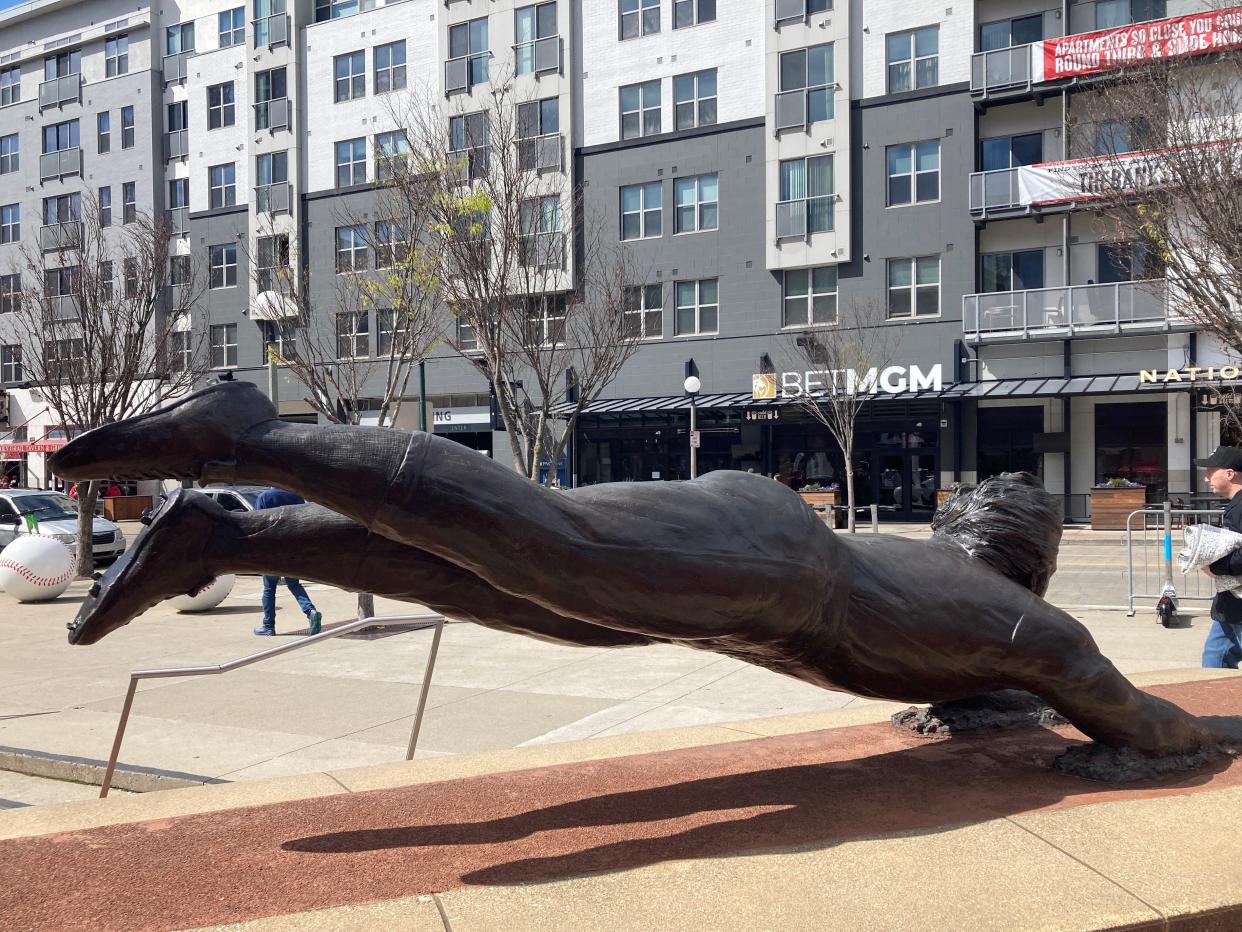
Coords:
pixel 1223 647
pixel 275 498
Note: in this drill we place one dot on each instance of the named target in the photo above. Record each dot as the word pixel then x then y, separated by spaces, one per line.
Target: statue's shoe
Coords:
pixel 175 442
pixel 167 559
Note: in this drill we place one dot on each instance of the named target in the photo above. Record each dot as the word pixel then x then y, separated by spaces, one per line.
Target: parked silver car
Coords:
pixel 57 516
pixel 235 497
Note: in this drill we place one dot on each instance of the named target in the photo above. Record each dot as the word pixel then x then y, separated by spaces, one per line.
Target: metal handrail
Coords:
pixel 348 628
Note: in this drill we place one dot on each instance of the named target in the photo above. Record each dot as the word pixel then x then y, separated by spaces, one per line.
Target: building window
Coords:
pixel 221 105
pixel 335 9
pixel 914 287
pixel 1006 33
pixel 698 306
pixel 61 282
pixel 105 280
pixel 269 87
pixel 538 122
pixel 178 116
pixel 351 249
pixel 468 142
pixel 914 173
pixel 129 202
pixel 180 351
pixel 913 59
pixel 271 182
pixel 178 193
pixel 9 161
pixel 179 38
pixel 392 333
pixel 280 337
pixel 1012 271
pixel 390 67
pixel 1117 137
pixel 1010 151
pixel 1127 262
pixel 222 271
pixel 1110 14
pixel 127 127
pixel 642 210
pixel 10 85
pixel 271 257
pixel 352 335
pixel 697 204
pixel 643 312
pixel 62 208
pixel 469 41
pixel 350 70
pixel 530 24
pixel 694 99
pixel 105 206
pixel 232 26
pixel 640 110
pixel 807 190
pixel 545 320
pixel 351 162
pixel 10 223
pixel 10 361
pixel 639 18
pixel 810 70
pixel 222 184
pixel 223 346
pixel 179 270
pixel 10 292
pixel 692 12
pixel 116 56
pixel 63 358
pixel 130 270
pixel 392 245
pixel 542 244
pixel 60 136
pixel 62 64
pixel 809 296
pixel 392 152
pixel 103 132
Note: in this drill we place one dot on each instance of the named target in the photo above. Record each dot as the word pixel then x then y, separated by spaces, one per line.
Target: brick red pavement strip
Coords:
pixel 812 789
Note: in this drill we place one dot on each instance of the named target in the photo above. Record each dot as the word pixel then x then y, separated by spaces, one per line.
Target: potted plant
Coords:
pixel 1113 500
pixel 815 494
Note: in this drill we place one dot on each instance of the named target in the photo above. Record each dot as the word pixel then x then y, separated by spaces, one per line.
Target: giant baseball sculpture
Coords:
pixel 730 562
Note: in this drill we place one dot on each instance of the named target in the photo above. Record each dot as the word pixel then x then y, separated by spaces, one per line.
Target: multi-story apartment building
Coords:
pixel 771 164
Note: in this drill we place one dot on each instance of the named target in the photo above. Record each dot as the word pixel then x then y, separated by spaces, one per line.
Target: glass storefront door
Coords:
pixel 904 482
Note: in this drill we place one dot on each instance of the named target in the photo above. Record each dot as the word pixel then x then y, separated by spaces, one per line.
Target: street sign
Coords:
pixel 694 439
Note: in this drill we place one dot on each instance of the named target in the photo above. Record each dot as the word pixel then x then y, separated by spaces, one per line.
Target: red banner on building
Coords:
pixel 36 446
pixel 1108 49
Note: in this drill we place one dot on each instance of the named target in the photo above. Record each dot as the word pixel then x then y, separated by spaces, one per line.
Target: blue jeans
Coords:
pixel 1224 645
pixel 269 598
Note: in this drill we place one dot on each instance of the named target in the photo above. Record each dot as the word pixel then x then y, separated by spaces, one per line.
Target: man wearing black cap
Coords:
pixel 1224 641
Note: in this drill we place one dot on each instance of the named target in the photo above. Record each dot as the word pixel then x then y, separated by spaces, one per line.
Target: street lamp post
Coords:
pixel 692 386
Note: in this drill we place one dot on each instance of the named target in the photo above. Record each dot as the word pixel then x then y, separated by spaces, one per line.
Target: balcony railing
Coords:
pixel 801 107
pixel 1056 313
pixel 544 55
pixel 178 219
pixel 176 67
pixel 994 190
pixel 459 72
pixel 273 114
pixel 64 235
pixel 540 153
pixel 272 198
pixel 60 91
pixel 60 164
pixel 1000 69
pixel 176 144
pixel 791 219
pixel 271 31
pixel 465 165
pixel 790 10
pixel 61 308
pixel 544 250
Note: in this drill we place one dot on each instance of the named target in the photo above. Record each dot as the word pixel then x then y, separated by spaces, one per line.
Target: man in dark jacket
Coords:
pixel 1224 642
pixel 276 498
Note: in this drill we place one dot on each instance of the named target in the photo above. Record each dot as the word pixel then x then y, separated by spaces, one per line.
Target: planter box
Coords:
pixel 126 507
pixel 828 498
pixel 1111 507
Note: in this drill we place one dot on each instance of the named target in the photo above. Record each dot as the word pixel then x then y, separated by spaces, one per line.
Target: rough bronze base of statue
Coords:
pixel 1125 765
pixel 1009 708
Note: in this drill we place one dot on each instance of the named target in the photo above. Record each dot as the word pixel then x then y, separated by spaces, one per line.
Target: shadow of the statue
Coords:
pixel 651 809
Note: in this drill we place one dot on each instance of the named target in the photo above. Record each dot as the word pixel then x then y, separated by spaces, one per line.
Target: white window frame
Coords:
pixel 10 292
pixel 698 307
pixel 351 164
pixel 912 60
pixel 648 215
pixel 224 193
pixel 813 291
pixel 698 207
pixel 914 175
pixel 386 155
pixel 223 266
pixel 386 330
pixel 358 337
pixel 129 202
pixel 392 73
pixel 351 249
pixel 224 113
pixel 353 84
pixel 392 244
pixel 10 153
pixel 103 132
pixel 116 56
pixel 235 33
pixel 104 199
pixel 546 314
pixel 181 350
pixel 646 108
pixel 223 346
pixel 10 223
pixel 807 197
pixel 637 18
pixel 643 318
pixel 466 341
pixel 10 85
pixel 280 335
pixel 524 52
pixel 701 11
pixel 912 265
pixel 128 130
pixel 11 363
pixel 699 101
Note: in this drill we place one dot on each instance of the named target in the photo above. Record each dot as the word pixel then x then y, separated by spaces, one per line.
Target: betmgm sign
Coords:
pixel 826 383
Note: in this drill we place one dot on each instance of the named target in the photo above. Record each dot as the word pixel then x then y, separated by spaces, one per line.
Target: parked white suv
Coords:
pixel 57 516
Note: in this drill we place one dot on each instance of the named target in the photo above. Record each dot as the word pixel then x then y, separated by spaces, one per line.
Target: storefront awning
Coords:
pixel 996 388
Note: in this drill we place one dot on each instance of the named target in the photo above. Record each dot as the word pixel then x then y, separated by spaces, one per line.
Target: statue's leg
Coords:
pixel 191 539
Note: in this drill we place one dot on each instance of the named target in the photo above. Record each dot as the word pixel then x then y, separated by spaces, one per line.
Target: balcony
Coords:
pixel 54 165
pixel 271 31
pixel 176 67
pixel 60 91
pixel 544 250
pixel 1006 69
pixel 794 217
pixel 272 198
pixel 178 220
pixel 789 11
pixel 65 235
pixel 540 153
pixel 542 56
pixel 799 108
pixel 1068 311
pixel 273 114
pixel 176 144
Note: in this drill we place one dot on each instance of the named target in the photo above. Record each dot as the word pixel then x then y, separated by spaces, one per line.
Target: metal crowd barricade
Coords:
pixel 1150 570
pixel 350 627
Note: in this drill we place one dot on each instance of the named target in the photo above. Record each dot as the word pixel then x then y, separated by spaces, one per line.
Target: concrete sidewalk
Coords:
pixel 350 702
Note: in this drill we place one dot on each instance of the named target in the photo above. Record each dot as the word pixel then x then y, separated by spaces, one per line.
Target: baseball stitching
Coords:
pixel 30 577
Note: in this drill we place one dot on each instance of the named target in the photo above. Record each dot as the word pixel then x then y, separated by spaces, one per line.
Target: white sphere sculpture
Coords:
pixel 35 568
pixel 206 599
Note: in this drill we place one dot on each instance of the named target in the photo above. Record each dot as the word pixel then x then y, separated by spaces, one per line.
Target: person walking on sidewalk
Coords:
pixel 1223 647
pixel 276 498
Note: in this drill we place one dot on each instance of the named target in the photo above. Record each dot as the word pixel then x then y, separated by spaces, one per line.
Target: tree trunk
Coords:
pixel 849 490
pixel 88 494
pixel 366 605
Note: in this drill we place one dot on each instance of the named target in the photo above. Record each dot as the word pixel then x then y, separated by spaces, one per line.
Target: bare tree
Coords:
pixel 543 298
pixel 846 360
pixel 1166 171
pixel 104 324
